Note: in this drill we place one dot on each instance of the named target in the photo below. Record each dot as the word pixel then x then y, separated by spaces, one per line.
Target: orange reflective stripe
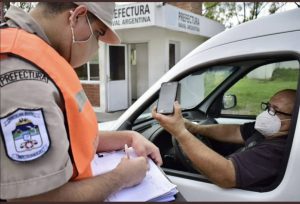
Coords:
pixel 82 123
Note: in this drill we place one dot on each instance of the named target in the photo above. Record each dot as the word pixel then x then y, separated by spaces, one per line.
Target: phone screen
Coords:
pixel 167 96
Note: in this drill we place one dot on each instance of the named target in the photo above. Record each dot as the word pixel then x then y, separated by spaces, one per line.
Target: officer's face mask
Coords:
pixel 267 124
pixel 82 50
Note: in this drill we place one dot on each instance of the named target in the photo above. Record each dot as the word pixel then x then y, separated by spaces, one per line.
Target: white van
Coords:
pixel 224 80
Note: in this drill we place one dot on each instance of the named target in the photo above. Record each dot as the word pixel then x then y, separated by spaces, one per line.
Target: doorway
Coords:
pixel 174 54
pixel 117 85
pixel 139 70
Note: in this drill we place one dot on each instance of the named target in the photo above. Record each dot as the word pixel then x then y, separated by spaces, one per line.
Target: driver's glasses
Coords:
pixel 271 110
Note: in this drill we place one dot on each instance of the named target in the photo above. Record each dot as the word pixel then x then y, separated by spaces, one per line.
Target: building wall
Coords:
pixel 194 7
pixel 266 71
pixel 142 66
pixel 157 39
pixel 93 93
pixel 158 46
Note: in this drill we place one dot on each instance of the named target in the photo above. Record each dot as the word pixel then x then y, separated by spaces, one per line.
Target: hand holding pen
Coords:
pixel 127 151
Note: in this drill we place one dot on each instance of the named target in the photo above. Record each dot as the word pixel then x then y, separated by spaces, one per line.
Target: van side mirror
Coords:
pixel 229 101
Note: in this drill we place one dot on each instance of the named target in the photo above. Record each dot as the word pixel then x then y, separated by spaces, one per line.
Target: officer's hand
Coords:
pixel 132 171
pixel 145 148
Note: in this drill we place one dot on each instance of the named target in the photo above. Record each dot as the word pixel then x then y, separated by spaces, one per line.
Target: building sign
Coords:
pixel 188 22
pixel 133 15
pixel 182 20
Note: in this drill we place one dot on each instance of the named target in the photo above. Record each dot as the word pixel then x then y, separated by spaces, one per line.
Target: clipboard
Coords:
pixel 156 184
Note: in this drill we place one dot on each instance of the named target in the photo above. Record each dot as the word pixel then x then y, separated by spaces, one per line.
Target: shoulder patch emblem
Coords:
pixel 25 134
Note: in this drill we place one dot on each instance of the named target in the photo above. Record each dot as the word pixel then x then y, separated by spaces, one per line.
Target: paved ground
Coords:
pixel 104 117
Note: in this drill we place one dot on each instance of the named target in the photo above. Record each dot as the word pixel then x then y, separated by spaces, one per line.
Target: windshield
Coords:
pixel 195 87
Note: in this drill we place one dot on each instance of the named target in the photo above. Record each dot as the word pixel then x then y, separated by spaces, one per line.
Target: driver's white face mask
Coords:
pixel 267 124
pixel 82 51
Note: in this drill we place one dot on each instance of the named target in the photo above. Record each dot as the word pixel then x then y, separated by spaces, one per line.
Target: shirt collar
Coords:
pixel 18 18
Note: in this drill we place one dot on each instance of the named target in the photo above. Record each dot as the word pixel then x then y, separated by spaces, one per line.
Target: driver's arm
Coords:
pixel 215 167
pixel 220 132
pixel 218 169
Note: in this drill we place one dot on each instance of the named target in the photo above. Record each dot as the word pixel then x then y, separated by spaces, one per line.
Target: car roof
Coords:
pixel 275 23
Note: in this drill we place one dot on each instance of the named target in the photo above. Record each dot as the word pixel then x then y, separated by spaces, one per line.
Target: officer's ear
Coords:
pixel 76 13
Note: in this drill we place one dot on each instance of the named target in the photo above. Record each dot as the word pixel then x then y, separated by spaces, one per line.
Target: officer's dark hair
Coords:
pixel 56 7
pixel 52 8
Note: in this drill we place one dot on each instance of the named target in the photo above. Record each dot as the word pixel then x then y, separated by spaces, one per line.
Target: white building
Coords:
pixel 154 37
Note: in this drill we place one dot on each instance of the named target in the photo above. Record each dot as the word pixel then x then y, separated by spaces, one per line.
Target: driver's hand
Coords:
pixel 174 124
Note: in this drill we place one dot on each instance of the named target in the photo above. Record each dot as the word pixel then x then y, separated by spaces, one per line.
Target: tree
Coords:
pixel 26 6
pixel 232 13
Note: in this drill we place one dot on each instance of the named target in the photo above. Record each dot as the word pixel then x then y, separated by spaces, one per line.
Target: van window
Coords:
pixel 195 87
pixel 260 84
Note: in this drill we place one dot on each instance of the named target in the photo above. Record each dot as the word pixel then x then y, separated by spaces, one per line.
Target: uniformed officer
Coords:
pixel 48 128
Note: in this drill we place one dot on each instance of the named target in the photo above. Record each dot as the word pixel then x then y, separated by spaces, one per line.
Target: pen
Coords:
pixel 99 155
pixel 127 151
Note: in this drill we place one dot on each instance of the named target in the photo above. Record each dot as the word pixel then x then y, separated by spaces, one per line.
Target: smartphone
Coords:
pixel 167 96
